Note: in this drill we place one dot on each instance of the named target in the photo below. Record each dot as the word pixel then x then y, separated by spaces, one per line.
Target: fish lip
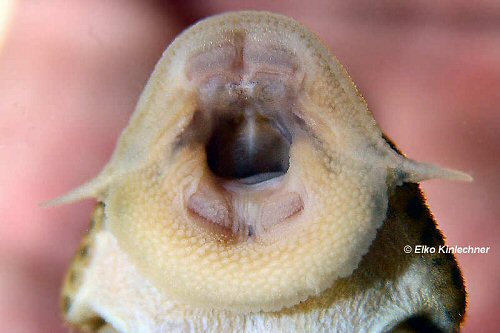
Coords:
pixel 238 185
pixel 245 99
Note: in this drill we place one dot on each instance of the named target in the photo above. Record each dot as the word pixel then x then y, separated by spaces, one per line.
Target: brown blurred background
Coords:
pixel 71 72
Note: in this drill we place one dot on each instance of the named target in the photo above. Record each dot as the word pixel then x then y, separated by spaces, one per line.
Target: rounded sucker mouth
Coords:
pixel 245 125
pixel 248 189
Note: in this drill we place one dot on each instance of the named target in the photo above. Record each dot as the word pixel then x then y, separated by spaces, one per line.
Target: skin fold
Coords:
pixel 253 191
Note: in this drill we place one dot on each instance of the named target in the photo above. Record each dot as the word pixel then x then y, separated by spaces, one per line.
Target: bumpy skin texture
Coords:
pixel 390 290
pixel 181 242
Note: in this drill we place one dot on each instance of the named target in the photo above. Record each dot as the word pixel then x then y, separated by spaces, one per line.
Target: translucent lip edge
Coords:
pixel 237 185
pixel 261 178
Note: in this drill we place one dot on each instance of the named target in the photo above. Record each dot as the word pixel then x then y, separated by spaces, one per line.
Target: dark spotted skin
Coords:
pixel 409 222
pixel 447 277
pixel 81 260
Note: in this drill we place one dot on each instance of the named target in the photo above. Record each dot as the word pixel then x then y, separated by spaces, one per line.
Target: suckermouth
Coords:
pixel 250 185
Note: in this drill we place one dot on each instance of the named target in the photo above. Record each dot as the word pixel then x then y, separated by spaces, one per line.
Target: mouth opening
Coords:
pixel 248 147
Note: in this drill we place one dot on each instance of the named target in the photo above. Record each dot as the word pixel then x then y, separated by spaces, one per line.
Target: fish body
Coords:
pixel 253 191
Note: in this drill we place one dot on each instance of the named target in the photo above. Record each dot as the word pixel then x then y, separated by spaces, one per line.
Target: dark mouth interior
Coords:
pixel 250 148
